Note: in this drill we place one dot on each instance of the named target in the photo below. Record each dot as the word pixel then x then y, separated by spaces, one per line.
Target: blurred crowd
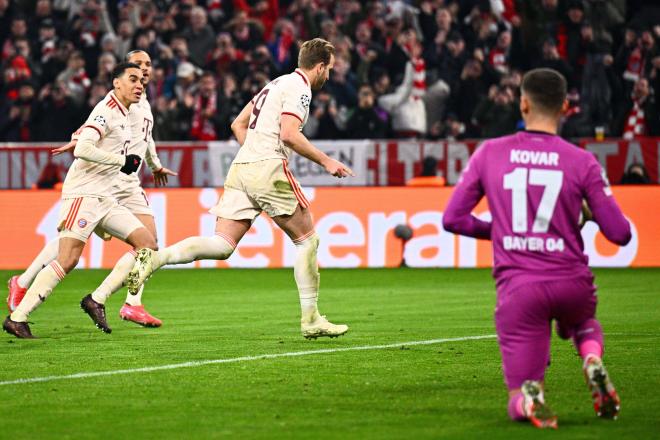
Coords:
pixel 404 69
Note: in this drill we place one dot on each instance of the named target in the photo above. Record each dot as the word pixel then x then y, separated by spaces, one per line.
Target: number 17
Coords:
pixel 517 181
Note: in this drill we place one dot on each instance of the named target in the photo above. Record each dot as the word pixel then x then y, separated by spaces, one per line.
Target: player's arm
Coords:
pixel 291 135
pixel 157 169
pixel 85 149
pixel 458 217
pixel 240 125
pixel 604 209
pixel 70 145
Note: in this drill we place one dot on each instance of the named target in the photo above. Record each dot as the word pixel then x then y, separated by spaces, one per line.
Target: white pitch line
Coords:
pixel 238 359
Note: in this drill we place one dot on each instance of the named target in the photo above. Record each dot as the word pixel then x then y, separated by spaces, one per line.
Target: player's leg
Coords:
pixel 299 226
pixel 235 212
pixel 523 328
pixel 218 247
pixel 133 310
pixel 120 223
pixel 575 313
pixel 69 253
pixel 18 284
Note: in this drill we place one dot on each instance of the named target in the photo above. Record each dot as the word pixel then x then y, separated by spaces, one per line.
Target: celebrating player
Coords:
pixel 535 183
pixel 129 193
pixel 87 200
pixel 268 128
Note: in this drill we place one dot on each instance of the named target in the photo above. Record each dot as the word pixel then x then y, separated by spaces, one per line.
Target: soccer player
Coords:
pixel 535 183
pixel 87 200
pixel 129 193
pixel 268 128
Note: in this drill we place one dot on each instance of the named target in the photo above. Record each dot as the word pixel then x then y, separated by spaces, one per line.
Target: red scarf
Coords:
pixel 202 129
pixel 635 122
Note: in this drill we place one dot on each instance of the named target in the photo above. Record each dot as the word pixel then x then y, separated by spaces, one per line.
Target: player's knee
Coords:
pixel 224 247
pixel 308 243
pixel 68 262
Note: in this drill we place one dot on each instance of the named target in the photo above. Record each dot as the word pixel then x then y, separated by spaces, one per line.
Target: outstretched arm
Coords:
pixel 291 135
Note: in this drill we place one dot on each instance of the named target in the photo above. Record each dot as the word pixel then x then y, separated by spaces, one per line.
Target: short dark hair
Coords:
pixel 315 51
pixel 133 52
pixel 121 68
pixel 546 88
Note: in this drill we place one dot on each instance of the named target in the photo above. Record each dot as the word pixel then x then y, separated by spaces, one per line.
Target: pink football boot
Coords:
pixel 16 293
pixel 139 315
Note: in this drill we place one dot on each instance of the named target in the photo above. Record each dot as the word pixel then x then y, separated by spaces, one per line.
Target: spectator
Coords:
pixel 498 114
pixel 365 121
pixel 498 57
pixel 342 84
pixel 56 114
pixel 230 104
pixel 199 35
pixel 16 117
pixel 406 104
pixel 49 177
pixel 449 58
pixel 639 116
pixel 75 77
pixel 550 59
pixel 124 41
pixel 247 34
pixel 571 38
pixel 226 57
pixel 106 65
pixel 186 75
pixel 324 119
pixel 203 124
pixel 283 48
pixel 429 175
pixel 636 174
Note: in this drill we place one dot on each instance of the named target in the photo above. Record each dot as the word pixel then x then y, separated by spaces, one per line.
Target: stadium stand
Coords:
pixel 464 61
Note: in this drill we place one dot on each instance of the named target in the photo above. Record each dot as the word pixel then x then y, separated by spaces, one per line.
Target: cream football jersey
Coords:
pixel 289 94
pixel 109 126
pixel 142 142
pixel 142 123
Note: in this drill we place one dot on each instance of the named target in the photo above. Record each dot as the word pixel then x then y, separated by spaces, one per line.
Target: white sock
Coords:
pixel 306 273
pixel 218 247
pixel 135 300
pixel 115 280
pixel 43 285
pixel 47 254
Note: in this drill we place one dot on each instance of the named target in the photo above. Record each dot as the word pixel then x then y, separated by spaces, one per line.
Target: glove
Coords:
pixel 132 164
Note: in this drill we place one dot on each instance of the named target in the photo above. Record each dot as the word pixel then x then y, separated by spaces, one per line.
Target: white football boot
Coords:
pixel 146 263
pixel 321 327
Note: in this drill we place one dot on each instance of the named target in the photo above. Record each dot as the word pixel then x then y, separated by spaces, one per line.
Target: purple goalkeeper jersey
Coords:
pixel 534 183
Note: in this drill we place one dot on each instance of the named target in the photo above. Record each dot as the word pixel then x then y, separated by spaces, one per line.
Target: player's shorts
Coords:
pixel 134 198
pixel 523 319
pixel 79 217
pixel 251 188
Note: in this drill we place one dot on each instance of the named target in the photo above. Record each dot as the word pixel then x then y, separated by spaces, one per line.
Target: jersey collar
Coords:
pixel 120 106
pixel 303 75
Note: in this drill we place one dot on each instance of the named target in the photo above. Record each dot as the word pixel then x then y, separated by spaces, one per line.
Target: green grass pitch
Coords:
pixel 441 390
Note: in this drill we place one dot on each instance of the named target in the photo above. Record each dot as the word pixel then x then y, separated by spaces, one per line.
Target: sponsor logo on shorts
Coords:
pixel 82 223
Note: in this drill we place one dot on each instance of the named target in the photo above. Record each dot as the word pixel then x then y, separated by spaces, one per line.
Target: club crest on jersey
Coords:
pixel 82 223
pixel 101 120
pixel 304 100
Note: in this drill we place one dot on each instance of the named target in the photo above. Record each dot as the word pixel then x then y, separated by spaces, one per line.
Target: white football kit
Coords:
pixel 259 179
pixel 87 200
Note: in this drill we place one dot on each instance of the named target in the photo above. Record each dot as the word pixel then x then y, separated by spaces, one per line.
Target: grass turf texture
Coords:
pixel 445 390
